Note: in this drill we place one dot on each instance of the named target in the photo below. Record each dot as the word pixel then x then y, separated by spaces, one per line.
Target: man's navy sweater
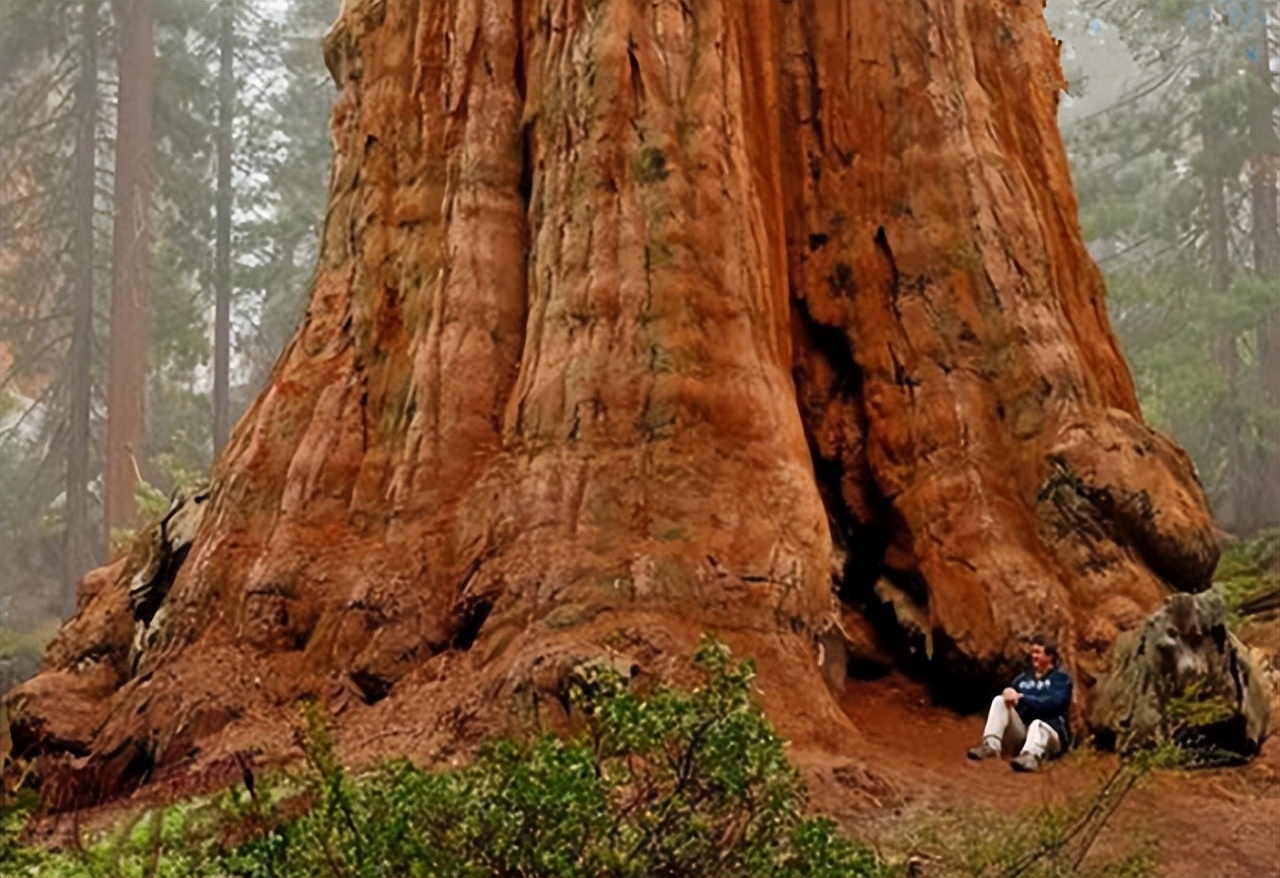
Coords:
pixel 1048 699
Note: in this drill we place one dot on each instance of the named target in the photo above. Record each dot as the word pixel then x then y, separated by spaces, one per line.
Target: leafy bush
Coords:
pixel 670 784
pixel 673 783
pixel 176 842
pixel 1248 568
pixel 22 646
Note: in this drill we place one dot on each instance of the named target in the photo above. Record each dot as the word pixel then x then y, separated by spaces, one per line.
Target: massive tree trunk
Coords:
pixel 130 247
pixel 636 320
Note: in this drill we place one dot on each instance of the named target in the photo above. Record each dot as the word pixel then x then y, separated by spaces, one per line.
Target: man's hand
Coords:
pixel 1010 696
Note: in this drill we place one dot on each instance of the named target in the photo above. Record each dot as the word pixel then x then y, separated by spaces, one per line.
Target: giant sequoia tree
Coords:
pixel 634 320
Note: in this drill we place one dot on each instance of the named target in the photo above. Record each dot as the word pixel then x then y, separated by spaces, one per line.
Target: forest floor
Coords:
pixel 905 787
pixel 917 795
pixel 911 793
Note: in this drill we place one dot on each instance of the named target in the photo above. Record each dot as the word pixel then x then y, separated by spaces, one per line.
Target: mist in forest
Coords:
pixel 163 176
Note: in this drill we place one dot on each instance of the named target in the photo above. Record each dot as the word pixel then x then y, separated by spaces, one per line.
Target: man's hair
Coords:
pixel 1048 644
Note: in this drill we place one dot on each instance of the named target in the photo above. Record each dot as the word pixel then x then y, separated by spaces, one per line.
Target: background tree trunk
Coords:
pixel 1265 227
pixel 1232 508
pixel 80 542
pixel 126 386
pixel 222 263
pixel 634 321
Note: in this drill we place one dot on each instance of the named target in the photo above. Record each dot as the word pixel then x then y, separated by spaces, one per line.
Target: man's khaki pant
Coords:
pixel 1006 732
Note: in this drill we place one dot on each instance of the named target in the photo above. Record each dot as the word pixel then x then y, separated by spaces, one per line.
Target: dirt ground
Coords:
pixel 1211 823
pixel 910 778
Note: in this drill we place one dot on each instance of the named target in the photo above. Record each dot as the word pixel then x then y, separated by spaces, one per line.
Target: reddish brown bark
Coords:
pixel 126 384
pixel 992 431
pixel 635 320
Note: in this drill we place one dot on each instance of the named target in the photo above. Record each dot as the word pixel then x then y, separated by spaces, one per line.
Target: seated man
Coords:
pixel 1031 715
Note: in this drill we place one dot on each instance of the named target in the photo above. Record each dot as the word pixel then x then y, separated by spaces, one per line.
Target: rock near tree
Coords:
pixel 638 320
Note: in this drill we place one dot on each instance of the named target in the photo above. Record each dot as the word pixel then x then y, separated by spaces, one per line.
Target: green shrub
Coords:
pixel 22 646
pixel 673 783
pixel 1247 569
pixel 176 842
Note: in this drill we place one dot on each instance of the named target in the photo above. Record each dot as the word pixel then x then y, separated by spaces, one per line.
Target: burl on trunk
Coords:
pixel 635 320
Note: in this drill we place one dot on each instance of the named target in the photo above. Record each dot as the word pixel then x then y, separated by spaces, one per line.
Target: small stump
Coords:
pixel 1183 678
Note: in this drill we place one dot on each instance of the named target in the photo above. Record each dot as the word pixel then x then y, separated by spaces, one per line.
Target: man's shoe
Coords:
pixel 1026 762
pixel 982 751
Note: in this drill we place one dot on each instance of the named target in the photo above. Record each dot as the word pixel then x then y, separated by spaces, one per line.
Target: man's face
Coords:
pixel 1041 661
